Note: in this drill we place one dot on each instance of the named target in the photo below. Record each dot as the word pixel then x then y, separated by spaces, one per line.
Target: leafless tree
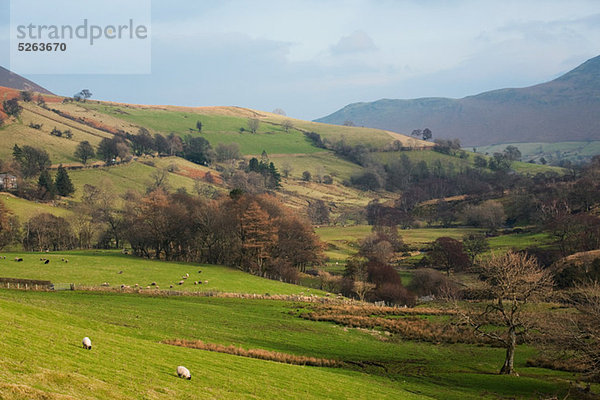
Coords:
pixel 287 125
pixel 253 124
pixel 510 280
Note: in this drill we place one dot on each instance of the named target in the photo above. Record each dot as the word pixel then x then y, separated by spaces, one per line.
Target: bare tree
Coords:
pixel 511 280
pixel 584 331
pixel 287 125
pixel 253 124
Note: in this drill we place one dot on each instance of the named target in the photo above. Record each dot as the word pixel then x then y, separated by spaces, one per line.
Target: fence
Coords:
pixel 25 284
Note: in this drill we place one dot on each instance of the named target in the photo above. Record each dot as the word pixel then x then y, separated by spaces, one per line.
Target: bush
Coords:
pixel 429 282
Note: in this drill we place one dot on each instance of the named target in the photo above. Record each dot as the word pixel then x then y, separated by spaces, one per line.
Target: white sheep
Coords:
pixel 87 343
pixel 184 373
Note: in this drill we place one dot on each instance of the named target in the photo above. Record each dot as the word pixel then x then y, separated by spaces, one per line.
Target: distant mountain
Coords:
pixel 567 108
pixel 11 80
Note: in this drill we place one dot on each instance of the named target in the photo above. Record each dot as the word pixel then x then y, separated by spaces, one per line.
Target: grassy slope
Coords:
pixel 41 352
pixel 40 347
pixel 92 268
pixel 343 241
pixel 25 209
pixel 60 149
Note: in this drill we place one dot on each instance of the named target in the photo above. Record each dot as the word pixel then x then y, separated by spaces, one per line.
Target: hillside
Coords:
pixel 565 109
pixel 15 81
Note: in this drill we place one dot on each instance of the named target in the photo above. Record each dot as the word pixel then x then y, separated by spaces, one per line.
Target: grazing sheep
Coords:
pixel 104 284
pixel 184 277
pixel 66 260
pixel 199 271
pixel 153 284
pixel 18 259
pixel 187 275
pixel 170 286
pixel 195 282
pixel 120 272
pixel 62 259
pixel 180 283
pixel 184 373
pixel 46 262
pixel 205 281
pixel 87 343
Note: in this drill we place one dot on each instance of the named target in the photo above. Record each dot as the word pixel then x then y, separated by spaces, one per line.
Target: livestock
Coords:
pixel 87 343
pixel 184 373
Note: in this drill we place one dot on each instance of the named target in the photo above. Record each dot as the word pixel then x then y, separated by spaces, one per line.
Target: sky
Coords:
pixel 311 58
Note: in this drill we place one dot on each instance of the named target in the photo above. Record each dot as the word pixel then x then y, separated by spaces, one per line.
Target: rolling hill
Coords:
pixel 565 109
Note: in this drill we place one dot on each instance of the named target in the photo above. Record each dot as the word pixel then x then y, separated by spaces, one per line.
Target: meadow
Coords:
pixel 95 267
pixel 43 359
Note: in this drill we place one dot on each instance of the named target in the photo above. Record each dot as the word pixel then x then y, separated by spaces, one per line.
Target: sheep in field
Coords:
pixel 87 343
pixel 184 373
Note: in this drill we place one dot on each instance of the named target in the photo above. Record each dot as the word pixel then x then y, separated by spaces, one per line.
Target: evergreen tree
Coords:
pixel 46 187
pixel 63 183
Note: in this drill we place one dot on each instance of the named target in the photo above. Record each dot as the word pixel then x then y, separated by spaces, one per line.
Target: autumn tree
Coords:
pixel 511 280
pixel 47 232
pixel 258 238
pixel 297 243
pixel 84 151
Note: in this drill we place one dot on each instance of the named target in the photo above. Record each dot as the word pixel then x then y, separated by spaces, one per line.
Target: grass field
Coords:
pixel 25 209
pixel 41 356
pixel 343 241
pixel 92 268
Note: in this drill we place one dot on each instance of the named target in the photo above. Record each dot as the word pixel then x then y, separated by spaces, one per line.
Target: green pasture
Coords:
pixel 93 268
pixel 41 355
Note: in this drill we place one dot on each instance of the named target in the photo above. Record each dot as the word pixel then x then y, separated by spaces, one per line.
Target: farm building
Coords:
pixel 8 182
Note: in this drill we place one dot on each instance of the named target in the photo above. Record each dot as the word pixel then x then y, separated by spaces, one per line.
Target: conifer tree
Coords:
pixel 46 187
pixel 64 186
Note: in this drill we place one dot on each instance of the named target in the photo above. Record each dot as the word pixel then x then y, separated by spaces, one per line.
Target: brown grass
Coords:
pixel 255 353
pixel 405 322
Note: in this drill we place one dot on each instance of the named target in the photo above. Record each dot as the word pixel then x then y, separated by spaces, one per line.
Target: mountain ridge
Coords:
pixel 15 81
pixel 565 108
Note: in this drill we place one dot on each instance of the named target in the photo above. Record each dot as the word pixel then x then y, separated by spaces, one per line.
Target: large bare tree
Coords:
pixel 510 280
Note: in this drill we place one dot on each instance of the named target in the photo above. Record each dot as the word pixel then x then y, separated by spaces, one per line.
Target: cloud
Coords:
pixel 357 42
